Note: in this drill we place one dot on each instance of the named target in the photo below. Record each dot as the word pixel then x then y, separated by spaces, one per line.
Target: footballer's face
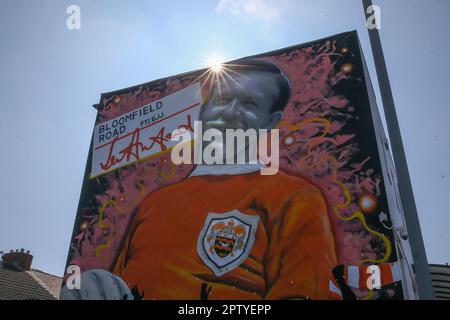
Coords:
pixel 243 103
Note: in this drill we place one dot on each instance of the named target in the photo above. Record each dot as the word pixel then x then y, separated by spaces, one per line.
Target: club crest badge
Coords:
pixel 226 240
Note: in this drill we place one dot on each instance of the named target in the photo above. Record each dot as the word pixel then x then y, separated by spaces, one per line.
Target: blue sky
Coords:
pixel 51 76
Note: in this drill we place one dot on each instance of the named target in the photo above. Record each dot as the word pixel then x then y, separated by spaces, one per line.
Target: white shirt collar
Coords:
pixel 224 169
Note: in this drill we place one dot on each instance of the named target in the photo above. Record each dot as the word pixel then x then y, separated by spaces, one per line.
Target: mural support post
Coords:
pixel 405 188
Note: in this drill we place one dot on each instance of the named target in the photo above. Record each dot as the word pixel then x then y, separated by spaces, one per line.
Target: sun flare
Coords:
pixel 215 61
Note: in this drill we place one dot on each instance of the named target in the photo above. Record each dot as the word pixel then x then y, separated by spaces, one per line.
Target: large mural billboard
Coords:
pixel 321 225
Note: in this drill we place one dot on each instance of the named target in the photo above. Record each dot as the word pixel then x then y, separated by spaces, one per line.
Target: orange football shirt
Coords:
pixel 292 256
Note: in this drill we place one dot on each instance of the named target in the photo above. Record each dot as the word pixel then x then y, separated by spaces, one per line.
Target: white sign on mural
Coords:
pixel 144 131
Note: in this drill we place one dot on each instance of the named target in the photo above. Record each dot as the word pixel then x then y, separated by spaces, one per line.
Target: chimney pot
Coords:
pixel 20 261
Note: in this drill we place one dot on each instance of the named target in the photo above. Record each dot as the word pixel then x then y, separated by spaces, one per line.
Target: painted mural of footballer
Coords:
pixel 226 231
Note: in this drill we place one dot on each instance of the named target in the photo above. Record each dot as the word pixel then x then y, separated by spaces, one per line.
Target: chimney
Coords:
pixel 20 261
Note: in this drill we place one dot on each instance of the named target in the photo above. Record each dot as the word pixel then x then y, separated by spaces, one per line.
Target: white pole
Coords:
pixel 405 188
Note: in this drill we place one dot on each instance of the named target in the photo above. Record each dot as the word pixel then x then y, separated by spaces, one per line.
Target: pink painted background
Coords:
pixel 313 145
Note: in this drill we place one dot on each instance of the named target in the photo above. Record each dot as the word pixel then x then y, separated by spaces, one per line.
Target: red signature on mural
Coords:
pixel 135 148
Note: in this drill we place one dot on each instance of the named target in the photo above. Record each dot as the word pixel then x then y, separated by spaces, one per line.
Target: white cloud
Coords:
pixel 248 9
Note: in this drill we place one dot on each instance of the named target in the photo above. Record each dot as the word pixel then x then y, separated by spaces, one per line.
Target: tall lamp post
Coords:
pixel 405 188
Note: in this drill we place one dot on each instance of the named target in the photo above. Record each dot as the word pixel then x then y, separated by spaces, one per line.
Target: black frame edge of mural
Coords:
pixel 87 171
pixel 405 188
